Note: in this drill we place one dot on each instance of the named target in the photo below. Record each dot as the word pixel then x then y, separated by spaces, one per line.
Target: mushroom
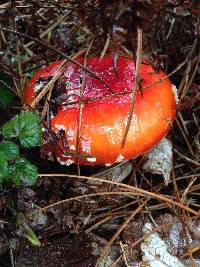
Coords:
pixel 105 109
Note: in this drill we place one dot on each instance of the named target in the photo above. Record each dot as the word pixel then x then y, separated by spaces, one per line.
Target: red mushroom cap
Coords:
pixel 104 120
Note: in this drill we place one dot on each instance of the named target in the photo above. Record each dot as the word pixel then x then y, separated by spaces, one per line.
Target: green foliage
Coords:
pixel 9 149
pixel 27 232
pixel 22 171
pixel 26 128
pixel 6 95
pixel 3 167
pixel 33 239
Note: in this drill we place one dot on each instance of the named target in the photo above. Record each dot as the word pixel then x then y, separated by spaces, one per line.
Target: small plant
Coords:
pixel 6 95
pixel 26 129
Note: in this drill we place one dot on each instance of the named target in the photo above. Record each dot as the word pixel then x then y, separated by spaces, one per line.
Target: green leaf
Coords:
pixel 10 150
pixel 3 167
pixel 6 96
pixel 26 127
pixel 25 230
pixel 11 128
pixel 31 130
pixel 23 172
pixel 33 239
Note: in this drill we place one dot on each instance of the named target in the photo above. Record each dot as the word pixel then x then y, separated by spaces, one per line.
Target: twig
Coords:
pixel 43 34
pixel 60 53
pixel 105 250
pixel 186 158
pixel 186 191
pixel 135 87
pixel 185 138
pixel 124 253
pixel 50 84
pixel 126 193
pixel 105 47
pixel 134 190
pixel 81 109
pixel 110 215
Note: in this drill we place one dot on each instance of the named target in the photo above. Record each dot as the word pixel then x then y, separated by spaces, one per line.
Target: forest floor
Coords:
pixel 136 217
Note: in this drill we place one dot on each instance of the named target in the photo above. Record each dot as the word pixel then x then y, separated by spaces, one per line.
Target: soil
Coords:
pixel 55 223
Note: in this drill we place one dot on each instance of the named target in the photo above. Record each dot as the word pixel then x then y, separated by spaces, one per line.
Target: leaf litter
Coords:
pixel 34 34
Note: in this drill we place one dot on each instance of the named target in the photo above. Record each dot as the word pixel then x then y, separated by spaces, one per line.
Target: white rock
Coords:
pixel 159 160
pixel 156 251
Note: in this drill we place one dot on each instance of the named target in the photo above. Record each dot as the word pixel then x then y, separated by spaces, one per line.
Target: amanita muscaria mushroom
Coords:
pixel 104 120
